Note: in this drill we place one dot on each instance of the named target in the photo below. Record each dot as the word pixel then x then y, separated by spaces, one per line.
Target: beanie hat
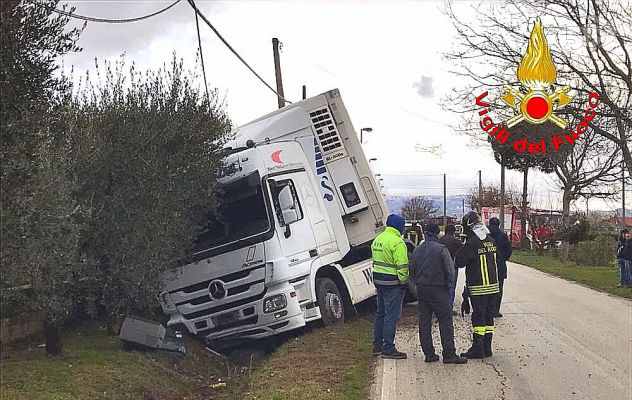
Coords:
pixel 396 221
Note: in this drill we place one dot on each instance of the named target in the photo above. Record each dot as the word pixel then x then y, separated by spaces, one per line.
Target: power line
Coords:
pixel 114 21
pixel 198 12
pixel 197 26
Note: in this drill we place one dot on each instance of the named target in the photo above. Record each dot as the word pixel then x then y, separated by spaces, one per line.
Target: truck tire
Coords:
pixel 330 302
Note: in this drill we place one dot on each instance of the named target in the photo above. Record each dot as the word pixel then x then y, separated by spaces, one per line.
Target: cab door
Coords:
pixel 293 225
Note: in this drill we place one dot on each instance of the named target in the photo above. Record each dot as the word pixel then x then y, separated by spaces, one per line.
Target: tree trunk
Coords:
pixel 566 211
pixel 523 223
pixel 53 339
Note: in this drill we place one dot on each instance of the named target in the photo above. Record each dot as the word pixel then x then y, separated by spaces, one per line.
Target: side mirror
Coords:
pixel 288 209
pixel 286 201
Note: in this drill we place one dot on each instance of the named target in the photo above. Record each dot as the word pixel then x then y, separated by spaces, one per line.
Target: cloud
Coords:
pixel 424 86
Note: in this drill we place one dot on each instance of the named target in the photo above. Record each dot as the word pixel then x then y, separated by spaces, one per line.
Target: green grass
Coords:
pixel 94 366
pixel 604 278
pixel 316 364
pixel 323 364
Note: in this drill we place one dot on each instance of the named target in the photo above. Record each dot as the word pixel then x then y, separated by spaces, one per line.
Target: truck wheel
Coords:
pixel 330 302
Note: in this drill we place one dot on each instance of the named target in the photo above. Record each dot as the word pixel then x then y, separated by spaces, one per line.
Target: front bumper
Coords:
pixel 246 320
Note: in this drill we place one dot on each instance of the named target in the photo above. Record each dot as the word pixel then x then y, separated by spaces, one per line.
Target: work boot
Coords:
pixel 498 315
pixel 432 358
pixel 376 351
pixel 476 351
pixel 454 359
pixel 487 344
pixel 394 354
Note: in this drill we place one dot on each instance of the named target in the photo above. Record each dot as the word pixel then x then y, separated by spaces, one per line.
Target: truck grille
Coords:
pixel 242 287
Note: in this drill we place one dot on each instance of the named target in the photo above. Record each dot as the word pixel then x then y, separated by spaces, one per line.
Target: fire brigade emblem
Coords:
pixel 539 96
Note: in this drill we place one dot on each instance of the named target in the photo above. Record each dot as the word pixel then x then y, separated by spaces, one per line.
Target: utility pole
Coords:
pixel 480 191
pixel 445 204
pixel 502 193
pixel 304 92
pixel 277 70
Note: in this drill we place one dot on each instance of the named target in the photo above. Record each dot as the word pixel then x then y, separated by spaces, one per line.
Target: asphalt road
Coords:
pixel 557 340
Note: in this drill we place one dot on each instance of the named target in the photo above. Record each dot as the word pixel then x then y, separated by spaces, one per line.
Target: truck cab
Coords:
pixel 290 240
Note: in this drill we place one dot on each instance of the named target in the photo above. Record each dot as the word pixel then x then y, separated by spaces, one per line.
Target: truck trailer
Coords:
pixel 290 241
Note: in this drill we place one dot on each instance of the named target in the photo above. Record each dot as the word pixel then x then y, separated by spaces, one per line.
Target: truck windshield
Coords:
pixel 242 213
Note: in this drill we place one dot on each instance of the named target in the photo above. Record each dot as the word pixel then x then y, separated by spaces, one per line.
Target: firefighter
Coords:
pixel 478 256
pixel 390 276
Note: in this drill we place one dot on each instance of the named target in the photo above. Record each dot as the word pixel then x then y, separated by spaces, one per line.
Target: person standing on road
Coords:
pixel 504 252
pixel 453 245
pixel 432 269
pixel 478 256
pixel 390 276
pixel 624 258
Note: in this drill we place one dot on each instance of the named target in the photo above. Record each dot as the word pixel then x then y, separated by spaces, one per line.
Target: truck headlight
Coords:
pixel 274 303
pixel 166 302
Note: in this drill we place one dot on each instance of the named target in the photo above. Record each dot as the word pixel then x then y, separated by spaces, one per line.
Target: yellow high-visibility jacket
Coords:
pixel 390 259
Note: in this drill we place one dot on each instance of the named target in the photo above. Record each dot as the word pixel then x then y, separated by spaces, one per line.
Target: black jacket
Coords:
pixel 431 264
pixel 453 244
pixel 624 250
pixel 479 259
pixel 504 250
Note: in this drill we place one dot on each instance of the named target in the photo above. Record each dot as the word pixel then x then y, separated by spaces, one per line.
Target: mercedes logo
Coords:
pixel 217 290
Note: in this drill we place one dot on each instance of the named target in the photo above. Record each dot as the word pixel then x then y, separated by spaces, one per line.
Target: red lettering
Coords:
pixel 482 112
pixel 534 148
pixel 593 96
pixel 504 138
pixel 557 140
pixel 589 115
pixel 488 123
pixel 582 127
pixel 543 144
pixel 571 139
pixel 480 102
pixel 520 145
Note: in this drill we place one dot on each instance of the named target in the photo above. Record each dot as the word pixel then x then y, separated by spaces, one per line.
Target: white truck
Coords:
pixel 290 241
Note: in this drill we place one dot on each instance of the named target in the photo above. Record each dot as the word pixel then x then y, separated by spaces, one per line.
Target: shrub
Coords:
pixel 600 251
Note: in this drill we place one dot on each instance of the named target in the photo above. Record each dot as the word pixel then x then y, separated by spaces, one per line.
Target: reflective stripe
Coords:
pixel 385 270
pixel 484 289
pixel 403 282
pixel 383 264
pixel 489 329
pixel 485 271
pixel 481 261
pixel 402 266
pixel 385 283
pixel 479 330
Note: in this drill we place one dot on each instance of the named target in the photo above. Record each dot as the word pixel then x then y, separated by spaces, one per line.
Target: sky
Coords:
pixel 385 57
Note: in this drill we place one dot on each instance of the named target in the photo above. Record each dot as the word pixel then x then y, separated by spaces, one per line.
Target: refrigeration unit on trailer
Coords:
pixel 290 241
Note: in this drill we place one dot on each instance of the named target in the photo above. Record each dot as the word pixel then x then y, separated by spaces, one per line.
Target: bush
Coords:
pixel 147 148
pixel 575 233
pixel 600 251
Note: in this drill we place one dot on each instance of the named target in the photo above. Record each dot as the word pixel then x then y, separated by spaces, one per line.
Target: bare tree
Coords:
pixel 492 197
pixel 418 208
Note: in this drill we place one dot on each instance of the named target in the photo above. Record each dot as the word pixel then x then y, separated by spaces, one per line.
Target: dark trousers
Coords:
pixel 483 311
pixel 435 299
pixel 499 296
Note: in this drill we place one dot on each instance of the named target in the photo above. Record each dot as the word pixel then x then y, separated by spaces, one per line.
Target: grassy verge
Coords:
pixel 315 363
pixel 603 278
pixel 94 366
pixel 322 364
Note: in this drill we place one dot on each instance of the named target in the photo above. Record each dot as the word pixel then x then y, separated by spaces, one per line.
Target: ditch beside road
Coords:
pixel 557 340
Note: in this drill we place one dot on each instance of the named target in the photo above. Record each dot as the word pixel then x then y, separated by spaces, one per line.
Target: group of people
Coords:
pixel 433 266
pixel 624 258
